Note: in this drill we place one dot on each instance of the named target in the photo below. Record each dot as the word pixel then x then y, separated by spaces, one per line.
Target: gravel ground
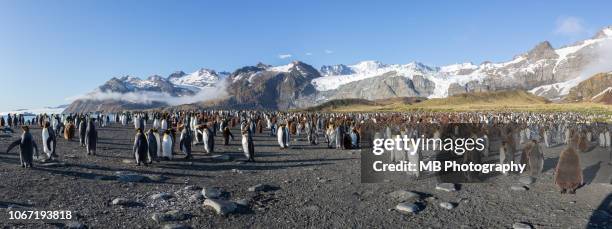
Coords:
pixel 305 186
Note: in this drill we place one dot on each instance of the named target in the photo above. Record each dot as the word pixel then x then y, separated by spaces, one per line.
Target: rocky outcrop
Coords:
pixel 272 88
pixel 543 70
pixel 388 85
pixel 587 89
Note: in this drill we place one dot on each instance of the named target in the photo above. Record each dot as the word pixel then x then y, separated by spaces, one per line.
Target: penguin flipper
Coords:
pixel 12 145
pixel 48 143
pixel 181 144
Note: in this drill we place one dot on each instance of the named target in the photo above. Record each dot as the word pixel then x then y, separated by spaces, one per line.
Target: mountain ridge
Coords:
pixel 543 70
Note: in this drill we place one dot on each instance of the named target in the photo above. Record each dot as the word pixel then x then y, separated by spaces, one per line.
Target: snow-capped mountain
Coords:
pixel 154 91
pixel 267 87
pixel 199 79
pixel 543 70
pixel 177 83
pixel 577 63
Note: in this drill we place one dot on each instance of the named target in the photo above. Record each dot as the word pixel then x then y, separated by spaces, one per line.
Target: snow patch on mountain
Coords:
pixel 368 69
pixel 201 78
pixel 282 68
pixel 453 69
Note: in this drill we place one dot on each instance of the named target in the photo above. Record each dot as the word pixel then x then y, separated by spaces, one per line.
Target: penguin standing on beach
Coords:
pixel 49 140
pixel 82 131
pixel 167 145
pixel 197 137
pixel 506 153
pixel 534 159
pixel 208 139
pixel 153 145
pixel 227 135
pixel 247 144
pixel 568 174
pixel 28 148
pixel 137 122
pixel 164 125
pixel 141 147
pixel 91 137
pixel 69 131
pixel 282 136
pixel 185 142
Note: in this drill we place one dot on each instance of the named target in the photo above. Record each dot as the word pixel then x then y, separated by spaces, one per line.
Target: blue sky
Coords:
pixel 51 50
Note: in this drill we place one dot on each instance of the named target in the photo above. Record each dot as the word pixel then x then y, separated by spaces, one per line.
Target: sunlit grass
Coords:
pixel 494 101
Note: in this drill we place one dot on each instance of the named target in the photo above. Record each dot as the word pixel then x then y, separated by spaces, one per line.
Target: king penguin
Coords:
pixel 247 145
pixel 28 147
pixel 568 174
pixel 152 142
pixel 185 142
pixel 91 137
pixel 167 145
pixel 49 140
pixel 140 147
pixel 82 131
pixel 282 135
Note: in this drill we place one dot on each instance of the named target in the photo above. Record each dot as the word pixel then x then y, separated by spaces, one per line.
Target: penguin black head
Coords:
pixel 25 128
pixel 138 130
pixel 47 124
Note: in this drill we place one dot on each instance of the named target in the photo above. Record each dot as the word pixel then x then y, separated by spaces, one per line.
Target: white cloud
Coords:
pixel 327 51
pixel 284 56
pixel 570 26
pixel 308 54
pixel 217 91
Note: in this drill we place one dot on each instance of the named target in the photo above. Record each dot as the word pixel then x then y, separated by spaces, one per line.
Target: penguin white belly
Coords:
pixel 280 137
pixel 195 136
pixel 286 135
pixel 164 125
pixel 205 140
pixel 159 145
pixel 607 139
pixel 167 147
pixel 245 146
pixel 45 137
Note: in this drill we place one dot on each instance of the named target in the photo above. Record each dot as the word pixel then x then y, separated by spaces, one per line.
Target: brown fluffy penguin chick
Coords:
pixel 568 174
pixel 534 159
pixel 69 131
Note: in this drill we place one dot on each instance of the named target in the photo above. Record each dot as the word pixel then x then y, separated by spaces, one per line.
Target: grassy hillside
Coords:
pixel 348 105
pixel 488 98
pixel 516 100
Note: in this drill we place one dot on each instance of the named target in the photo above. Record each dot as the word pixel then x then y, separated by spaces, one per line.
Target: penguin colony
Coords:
pixel 524 134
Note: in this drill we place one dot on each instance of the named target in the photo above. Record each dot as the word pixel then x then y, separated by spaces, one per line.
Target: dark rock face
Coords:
pixel 388 85
pixel 269 89
pixel 587 89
